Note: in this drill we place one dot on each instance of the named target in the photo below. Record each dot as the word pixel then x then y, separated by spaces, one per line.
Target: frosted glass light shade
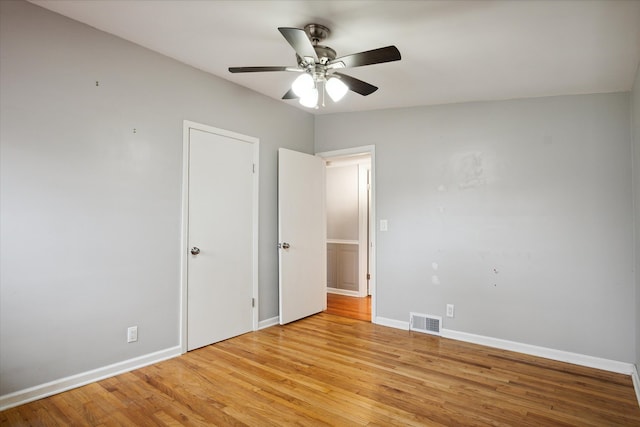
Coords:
pixel 303 85
pixel 310 100
pixel 336 89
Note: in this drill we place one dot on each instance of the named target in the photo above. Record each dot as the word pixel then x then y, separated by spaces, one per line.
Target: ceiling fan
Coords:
pixel 318 65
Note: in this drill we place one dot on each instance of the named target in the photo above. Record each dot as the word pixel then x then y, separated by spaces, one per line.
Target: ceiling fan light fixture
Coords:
pixel 317 64
pixel 310 100
pixel 336 89
pixel 304 85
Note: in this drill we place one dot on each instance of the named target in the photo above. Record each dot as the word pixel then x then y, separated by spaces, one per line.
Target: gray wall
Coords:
pixel 526 207
pixel 91 211
pixel 635 109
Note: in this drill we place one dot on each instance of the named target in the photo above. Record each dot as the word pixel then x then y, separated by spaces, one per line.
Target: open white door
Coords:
pixel 302 235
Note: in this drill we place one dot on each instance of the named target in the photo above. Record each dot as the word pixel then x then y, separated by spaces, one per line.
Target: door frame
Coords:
pixel 371 151
pixel 184 238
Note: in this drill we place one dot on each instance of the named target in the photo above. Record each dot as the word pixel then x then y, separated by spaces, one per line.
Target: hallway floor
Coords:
pixel 351 307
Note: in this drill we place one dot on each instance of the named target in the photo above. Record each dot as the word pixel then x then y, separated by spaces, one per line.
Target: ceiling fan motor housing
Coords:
pixel 325 53
pixel 316 32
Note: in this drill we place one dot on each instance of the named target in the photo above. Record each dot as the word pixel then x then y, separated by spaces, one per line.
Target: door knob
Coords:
pixel 195 250
pixel 284 245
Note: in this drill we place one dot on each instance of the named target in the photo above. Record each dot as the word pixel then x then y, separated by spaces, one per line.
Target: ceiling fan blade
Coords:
pixel 299 41
pixel 261 69
pixel 290 95
pixel 356 85
pixel 370 57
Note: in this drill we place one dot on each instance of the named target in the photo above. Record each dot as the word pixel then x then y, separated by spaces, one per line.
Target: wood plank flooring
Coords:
pixel 331 370
pixel 352 307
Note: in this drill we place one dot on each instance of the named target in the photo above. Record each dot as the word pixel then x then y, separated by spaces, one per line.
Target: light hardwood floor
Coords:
pixel 331 370
pixel 352 307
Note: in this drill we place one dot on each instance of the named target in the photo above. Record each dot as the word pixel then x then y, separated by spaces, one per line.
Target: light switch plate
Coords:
pixel 384 225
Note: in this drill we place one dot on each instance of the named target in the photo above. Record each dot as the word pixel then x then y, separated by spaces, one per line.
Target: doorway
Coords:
pixel 350 232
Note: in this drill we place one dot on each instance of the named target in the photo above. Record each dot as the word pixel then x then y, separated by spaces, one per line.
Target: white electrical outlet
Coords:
pixel 450 310
pixel 132 334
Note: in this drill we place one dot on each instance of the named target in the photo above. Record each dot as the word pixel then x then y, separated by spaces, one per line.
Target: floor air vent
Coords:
pixel 425 323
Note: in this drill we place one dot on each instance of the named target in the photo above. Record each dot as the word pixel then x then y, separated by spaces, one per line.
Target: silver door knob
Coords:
pixel 195 250
pixel 284 245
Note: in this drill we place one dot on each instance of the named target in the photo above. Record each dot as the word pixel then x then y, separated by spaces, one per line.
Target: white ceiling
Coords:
pixel 452 51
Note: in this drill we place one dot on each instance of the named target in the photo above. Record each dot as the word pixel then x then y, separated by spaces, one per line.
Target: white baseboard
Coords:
pixel 63 384
pixel 636 382
pixel 392 323
pixel 268 322
pixel 343 292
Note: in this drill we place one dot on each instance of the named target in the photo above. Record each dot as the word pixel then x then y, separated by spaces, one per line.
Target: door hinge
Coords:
pixel 368 276
pixel 253 302
pixel 254 168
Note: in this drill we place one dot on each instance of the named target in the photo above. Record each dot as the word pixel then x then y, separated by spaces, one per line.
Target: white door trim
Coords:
pixel 184 238
pixel 371 150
